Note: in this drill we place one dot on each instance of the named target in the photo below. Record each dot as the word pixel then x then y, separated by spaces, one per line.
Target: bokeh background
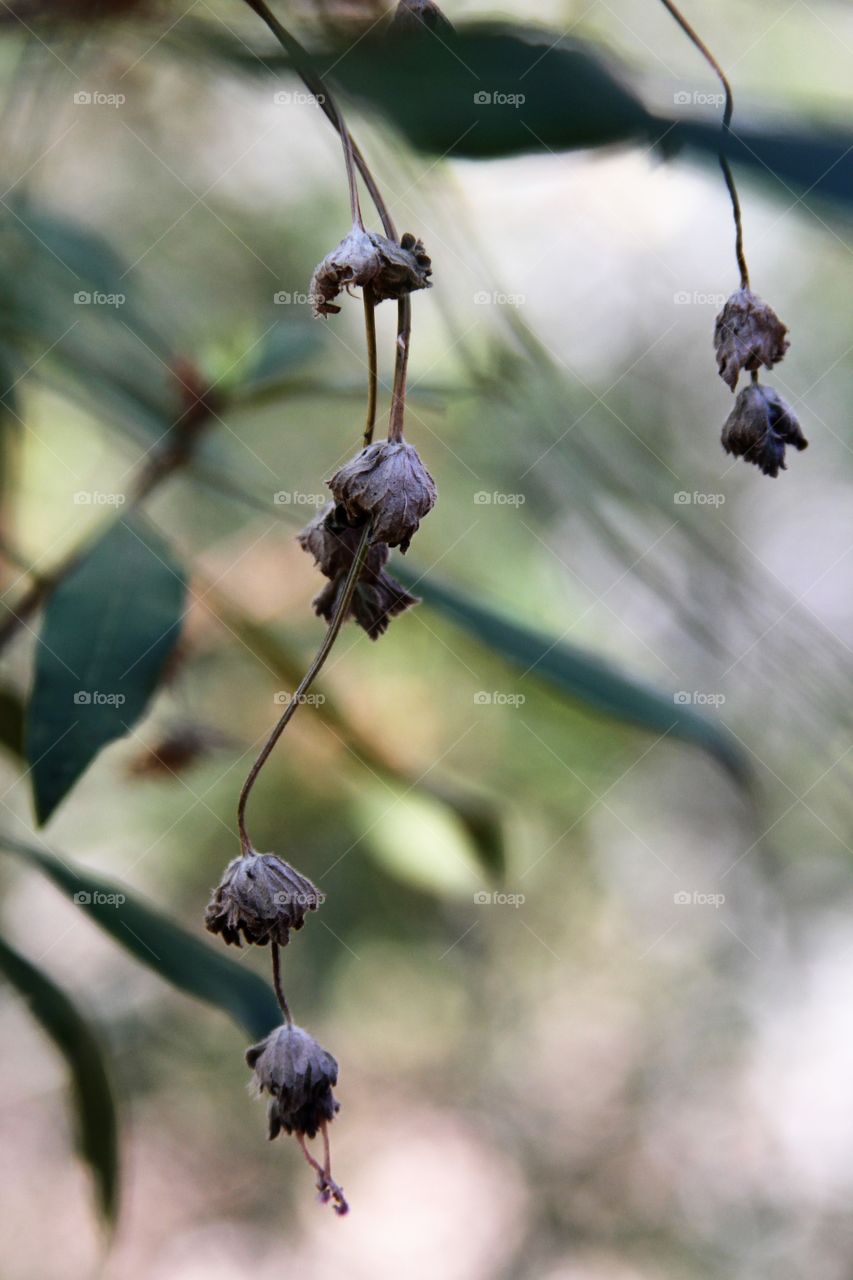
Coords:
pixel 588 991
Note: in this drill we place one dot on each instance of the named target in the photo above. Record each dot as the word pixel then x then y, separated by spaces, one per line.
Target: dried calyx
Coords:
pixel 298 1075
pixel 413 16
pixel 382 268
pixel 759 428
pixel 388 484
pixel 747 335
pixel 260 898
pixel 377 597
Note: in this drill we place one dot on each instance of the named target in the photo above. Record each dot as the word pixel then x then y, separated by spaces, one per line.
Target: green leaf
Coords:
pixel 160 944
pixel 107 633
pixel 582 675
pixel 11 722
pixel 93 1095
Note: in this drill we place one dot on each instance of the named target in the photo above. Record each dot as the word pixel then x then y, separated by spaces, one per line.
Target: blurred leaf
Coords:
pixel 580 674
pixel 93 1095
pixel 161 944
pixel 107 632
pixel 12 722
pixel 417 840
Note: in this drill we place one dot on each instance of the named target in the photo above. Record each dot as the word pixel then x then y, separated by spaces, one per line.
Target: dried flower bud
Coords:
pixel 261 897
pixel 747 334
pixel 759 427
pixel 387 483
pixel 380 267
pixel 377 597
pixel 413 16
pixel 299 1075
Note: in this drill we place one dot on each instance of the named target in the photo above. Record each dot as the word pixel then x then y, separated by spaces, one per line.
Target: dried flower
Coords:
pixel 415 15
pixel 299 1074
pixel 387 483
pixel 261 897
pixel 377 597
pixel 759 427
pixel 382 268
pixel 747 334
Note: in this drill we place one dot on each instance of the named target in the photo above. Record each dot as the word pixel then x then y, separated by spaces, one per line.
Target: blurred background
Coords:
pixel 586 949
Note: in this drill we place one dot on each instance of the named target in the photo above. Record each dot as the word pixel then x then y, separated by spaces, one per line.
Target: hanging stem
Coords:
pixel 314 82
pixel 276 981
pixel 699 43
pixel 401 365
pixel 305 683
pixel 372 367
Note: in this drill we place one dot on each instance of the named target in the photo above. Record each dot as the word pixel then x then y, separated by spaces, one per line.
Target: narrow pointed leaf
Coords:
pixel 107 633
pixel 161 944
pixel 93 1096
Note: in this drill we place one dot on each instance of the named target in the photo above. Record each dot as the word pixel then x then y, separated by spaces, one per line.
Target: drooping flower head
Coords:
pixel 747 335
pixel 377 597
pixel 372 262
pixel 759 427
pixel 388 484
pixel 299 1075
pixel 261 898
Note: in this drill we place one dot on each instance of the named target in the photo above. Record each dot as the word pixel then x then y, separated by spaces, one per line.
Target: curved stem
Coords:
pixel 695 39
pixel 305 683
pixel 277 983
pixel 314 82
pixel 372 367
pixel 398 395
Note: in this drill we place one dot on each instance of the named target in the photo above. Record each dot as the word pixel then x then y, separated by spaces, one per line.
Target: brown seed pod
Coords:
pixel 372 262
pixel 388 484
pixel 747 335
pixel 759 427
pixel 261 898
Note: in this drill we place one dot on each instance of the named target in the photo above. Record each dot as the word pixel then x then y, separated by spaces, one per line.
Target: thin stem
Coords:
pixel 276 981
pixel 338 618
pixel 398 394
pixel 372 367
pixel 699 43
pixel 314 82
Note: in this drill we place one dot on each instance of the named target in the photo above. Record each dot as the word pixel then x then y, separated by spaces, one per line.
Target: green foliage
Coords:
pixel 160 944
pixel 92 1092
pixel 108 631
